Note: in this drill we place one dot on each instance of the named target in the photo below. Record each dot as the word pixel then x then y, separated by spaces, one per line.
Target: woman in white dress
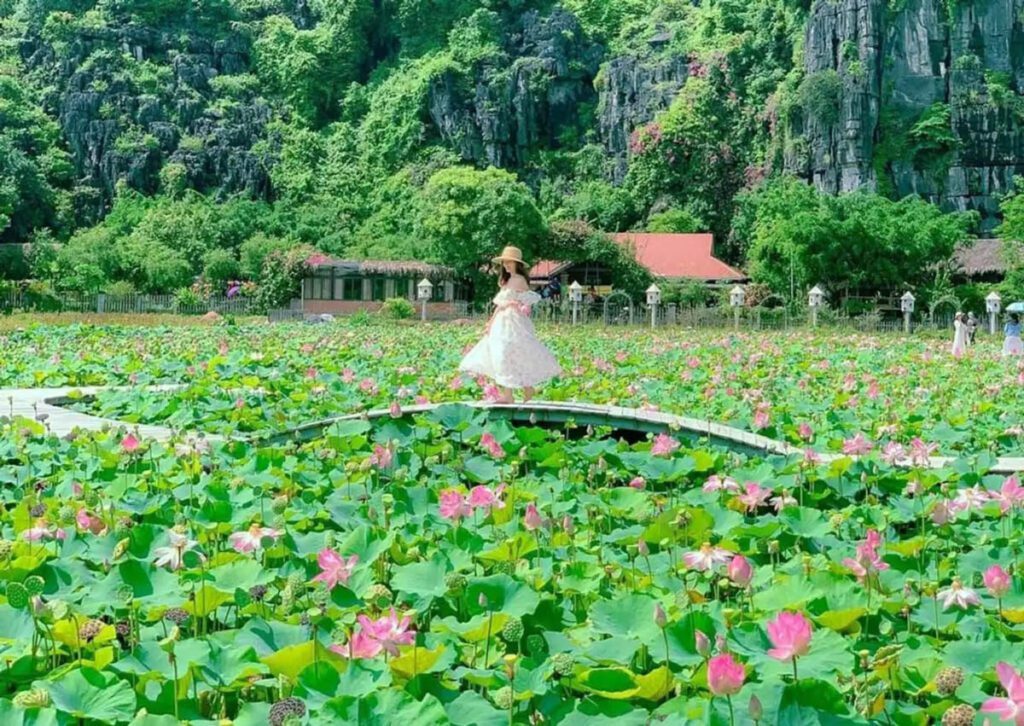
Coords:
pixel 510 353
pixel 1012 345
pixel 960 334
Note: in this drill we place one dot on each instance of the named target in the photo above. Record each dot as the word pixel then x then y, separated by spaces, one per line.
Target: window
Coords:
pixel 377 288
pixel 348 288
pixel 437 295
pixel 463 290
pixel 319 285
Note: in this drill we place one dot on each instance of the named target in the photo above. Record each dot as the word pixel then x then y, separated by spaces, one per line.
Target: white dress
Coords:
pixel 510 353
pixel 959 338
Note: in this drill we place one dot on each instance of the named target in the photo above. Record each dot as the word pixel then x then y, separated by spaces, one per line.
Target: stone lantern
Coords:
pixel 424 290
pixel 653 300
pixel 993 304
pixel 907 306
pixel 815 299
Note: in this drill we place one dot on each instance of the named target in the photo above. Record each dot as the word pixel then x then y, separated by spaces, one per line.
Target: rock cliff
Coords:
pixel 928 100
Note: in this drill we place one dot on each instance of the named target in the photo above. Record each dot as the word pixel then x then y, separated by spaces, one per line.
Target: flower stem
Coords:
pixel 728 699
pixel 795 676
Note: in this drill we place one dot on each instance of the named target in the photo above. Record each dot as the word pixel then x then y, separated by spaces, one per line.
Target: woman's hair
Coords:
pixel 1015 318
pixel 504 276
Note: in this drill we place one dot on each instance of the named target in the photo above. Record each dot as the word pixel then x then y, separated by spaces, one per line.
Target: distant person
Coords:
pixel 556 290
pixel 1012 344
pixel 960 335
pixel 972 327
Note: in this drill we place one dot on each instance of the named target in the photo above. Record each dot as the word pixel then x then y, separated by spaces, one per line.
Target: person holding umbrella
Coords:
pixel 1012 344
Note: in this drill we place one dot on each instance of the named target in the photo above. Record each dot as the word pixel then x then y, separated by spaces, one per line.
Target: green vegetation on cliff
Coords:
pixel 157 140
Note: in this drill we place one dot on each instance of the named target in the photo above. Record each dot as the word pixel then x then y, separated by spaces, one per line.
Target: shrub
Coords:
pixel 186 298
pixel 820 93
pixel 397 308
pixel 220 267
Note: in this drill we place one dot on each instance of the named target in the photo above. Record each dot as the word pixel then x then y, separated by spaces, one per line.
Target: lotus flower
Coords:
pixel 725 675
pixel 805 431
pixel 1011 708
pixel 362 645
pixel 893 452
pixel 754 495
pixel 492 446
pixel 868 561
pixel 857 446
pixel 740 571
pixel 920 452
pixel 660 618
pixel 707 558
pixel 956 595
pixel 638 482
pixel 172 556
pixel 532 519
pixel 790 634
pixel 129 444
pixel 251 540
pixel 334 568
pixel 664 445
pixel 997 581
pixel 382 457
pixel 389 631
pixel 453 505
pixel 716 483
pixel 481 497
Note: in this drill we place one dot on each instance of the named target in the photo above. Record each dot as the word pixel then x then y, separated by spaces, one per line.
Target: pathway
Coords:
pixel 49 406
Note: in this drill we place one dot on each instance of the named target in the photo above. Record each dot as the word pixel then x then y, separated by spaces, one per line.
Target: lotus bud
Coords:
pixel 702 643
pixel 482 601
pixel 660 618
pixel 641 547
pixel 755 709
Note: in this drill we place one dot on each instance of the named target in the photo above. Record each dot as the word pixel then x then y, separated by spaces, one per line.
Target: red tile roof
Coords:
pixel 672 256
pixel 677 256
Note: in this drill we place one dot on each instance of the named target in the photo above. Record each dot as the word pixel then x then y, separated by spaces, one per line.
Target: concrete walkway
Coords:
pixel 47 405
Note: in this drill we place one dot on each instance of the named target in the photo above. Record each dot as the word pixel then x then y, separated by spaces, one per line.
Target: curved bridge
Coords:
pixel 49 406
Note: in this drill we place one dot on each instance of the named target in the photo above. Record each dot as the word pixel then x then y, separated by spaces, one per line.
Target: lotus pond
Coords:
pixel 449 567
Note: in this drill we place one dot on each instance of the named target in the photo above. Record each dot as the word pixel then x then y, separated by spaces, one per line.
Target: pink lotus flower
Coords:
pixel 492 394
pixel 532 519
pixel 389 631
pixel 956 595
pixel 89 523
pixel 362 645
pixel 920 452
pixel 725 675
pixel 997 581
pixel 348 375
pixel 453 505
pixel 492 446
pixel 761 419
pixel 395 410
pixel 868 561
pixel 334 568
pixel 638 482
pixel 805 431
pixel 701 643
pixel 567 525
pixel 893 453
pixel 1010 495
pixel 857 446
pixel 754 495
pixel 129 444
pixel 811 457
pixel 781 501
pixel 481 497
pixel 368 385
pixel 664 445
pixel 716 483
pixel 382 457
pixel 251 540
pixel 707 558
pixel 1011 708
pixel 310 373
pixel 42 530
pixel 740 571
pixel 790 634
pixel 421 400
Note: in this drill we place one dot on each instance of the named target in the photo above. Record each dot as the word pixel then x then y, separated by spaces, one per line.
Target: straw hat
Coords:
pixel 510 254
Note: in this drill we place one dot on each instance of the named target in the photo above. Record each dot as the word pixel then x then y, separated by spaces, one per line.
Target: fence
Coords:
pixel 124 304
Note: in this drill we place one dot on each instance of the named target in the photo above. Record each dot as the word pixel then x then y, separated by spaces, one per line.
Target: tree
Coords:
pixel 679 221
pixel 467 216
pixel 853 242
pixel 576 241
pixel 1011 231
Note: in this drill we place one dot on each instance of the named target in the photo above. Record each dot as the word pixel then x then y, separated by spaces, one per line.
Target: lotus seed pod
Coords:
pixel 536 645
pixel 279 504
pixel 563 663
pixel 17 595
pixel 321 596
pixel 512 631
pixel 176 616
pixel 948 680
pixel 960 715
pixel 120 548
pixel 5 549
pixel 287 597
pixel 37 510
pixel 34 585
pixel 282 710
pixel 258 592
pixel 379 595
pixel 503 698
pixel 33 698
pixel 90 629
pixel 773 547
pixel 504 567
pixel 297 582
pixel 413 553
pixel 455 582
pixel 66 513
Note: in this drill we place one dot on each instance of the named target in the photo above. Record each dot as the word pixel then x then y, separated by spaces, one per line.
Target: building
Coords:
pixel 343 287
pixel 980 261
pixel 670 257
